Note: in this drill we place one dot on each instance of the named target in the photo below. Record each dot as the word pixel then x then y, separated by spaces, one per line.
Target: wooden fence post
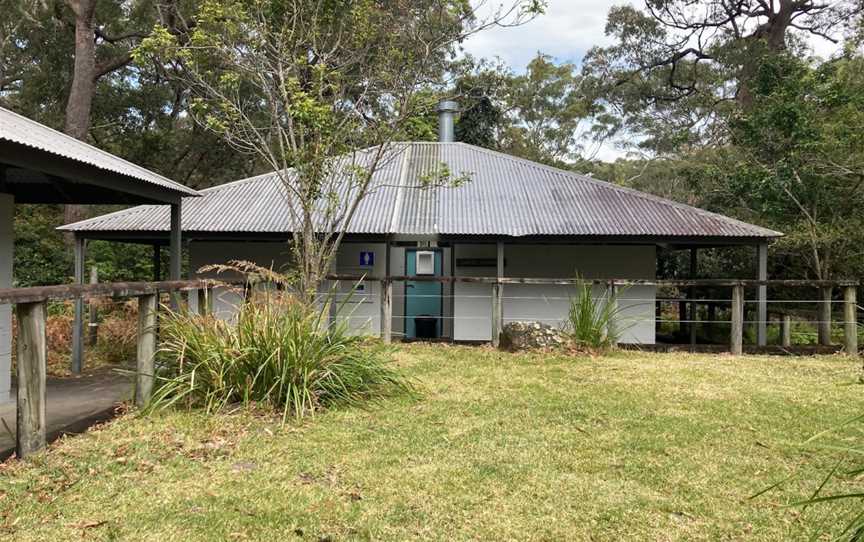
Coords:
pixel 497 310
pixel 612 325
pixel 850 320
pixel 205 300
pixel 93 324
pixel 77 361
pixel 146 349
pixel 498 296
pixel 737 333
pixel 32 356
pixel 824 312
pixel 786 331
pixel 387 310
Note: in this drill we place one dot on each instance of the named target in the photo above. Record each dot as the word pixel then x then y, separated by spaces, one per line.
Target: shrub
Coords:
pixel 278 352
pixel 593 321
pixel 117 338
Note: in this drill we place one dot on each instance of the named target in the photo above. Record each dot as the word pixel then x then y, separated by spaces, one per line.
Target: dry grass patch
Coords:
pixel 499 446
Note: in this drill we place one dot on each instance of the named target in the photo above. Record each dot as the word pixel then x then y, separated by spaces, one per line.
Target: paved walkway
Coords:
pixel 73 405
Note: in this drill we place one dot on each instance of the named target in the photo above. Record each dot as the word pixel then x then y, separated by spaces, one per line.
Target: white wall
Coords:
pixel 362 309
pixel 226 300
pixel 549 303
pixel 472 308
pixel 7 246
pixel 473 304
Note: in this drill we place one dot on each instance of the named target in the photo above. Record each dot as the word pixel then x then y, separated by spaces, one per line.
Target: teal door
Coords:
pixel 422 299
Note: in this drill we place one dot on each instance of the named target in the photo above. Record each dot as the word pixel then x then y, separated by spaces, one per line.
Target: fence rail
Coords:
pixel 91 291
pixel 679 283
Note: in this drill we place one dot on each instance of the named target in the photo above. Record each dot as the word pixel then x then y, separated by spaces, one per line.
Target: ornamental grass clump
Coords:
pixel 278 351
pixel 593 321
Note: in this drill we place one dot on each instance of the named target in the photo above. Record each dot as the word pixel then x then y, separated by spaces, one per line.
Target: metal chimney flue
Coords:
pixel 446 113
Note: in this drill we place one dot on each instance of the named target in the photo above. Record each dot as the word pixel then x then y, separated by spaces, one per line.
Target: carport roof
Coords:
pixel 504 196
pixel 41 165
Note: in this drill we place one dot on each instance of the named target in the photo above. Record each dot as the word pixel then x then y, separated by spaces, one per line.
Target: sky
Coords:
pixel 566 31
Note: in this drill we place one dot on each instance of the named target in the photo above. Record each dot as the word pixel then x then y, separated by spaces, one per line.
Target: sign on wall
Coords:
pixel 367 258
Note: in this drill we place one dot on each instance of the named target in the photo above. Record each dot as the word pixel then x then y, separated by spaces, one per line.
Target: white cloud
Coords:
pixel 566 31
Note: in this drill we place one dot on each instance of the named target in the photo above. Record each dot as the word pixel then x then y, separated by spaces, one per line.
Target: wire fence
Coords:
pixel 657 318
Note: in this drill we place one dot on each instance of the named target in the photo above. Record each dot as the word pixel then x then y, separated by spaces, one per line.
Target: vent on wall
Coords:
pixel 425 262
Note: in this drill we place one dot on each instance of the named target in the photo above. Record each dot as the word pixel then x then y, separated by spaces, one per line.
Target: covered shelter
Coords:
pixel 512 218
pixel 41 165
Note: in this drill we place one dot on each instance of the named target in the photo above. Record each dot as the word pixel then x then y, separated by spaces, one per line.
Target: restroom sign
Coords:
pixel 367 259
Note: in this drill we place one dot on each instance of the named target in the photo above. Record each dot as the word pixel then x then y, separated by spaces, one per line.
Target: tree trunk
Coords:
pixel 83 86
pixel 773 33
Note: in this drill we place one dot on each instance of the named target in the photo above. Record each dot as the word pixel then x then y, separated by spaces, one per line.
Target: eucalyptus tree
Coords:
pixel 548 113
pixel 302 84
pixel 676 67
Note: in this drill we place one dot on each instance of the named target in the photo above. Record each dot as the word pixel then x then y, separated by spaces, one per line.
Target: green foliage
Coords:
pixel 548 114
pixel 421 118
pixel 122 261
pixel 40 256
pixel 594 321
pixel 279 352
pixel 549 103
pixel 676 69
pixel 482 102
pixel 797 160
pixel 138 114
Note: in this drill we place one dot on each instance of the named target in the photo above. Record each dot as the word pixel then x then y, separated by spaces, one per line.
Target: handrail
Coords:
pixel 88 291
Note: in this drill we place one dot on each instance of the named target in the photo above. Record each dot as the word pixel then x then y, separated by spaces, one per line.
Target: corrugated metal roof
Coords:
pixel 504 196
pixel 23 131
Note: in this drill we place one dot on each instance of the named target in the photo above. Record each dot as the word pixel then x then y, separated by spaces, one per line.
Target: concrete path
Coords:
pixel 73 405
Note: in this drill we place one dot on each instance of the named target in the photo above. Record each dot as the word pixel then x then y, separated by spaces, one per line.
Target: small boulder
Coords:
pixel 517 336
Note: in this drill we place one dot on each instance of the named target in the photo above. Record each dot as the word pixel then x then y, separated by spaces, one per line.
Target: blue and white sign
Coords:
pixel 367 259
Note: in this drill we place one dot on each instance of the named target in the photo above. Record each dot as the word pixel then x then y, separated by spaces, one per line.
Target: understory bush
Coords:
pixel 593 321
pixel 278 351
pixel 116 339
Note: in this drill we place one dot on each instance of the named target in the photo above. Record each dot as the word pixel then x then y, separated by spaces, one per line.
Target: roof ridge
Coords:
pixel 245 180
pixel 103 218
pixel 629 190
pixel 104 153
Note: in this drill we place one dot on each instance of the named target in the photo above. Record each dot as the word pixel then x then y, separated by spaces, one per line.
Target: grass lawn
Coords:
pixel 629 446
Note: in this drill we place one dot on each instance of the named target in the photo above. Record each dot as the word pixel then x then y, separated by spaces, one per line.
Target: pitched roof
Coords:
pixel 504 196
pixel 20 130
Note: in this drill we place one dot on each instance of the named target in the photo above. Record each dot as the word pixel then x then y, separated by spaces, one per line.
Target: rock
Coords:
pixel 517 336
